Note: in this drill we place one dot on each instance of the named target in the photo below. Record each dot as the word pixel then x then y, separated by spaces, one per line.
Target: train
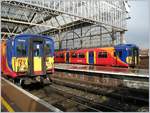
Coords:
pixel 121 55
pixel 26 58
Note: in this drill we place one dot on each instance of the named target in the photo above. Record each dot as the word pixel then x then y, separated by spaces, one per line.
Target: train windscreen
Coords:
pixel 48 51
pixel 21 48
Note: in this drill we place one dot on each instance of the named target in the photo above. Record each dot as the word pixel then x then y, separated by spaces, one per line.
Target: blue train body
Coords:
pixel 27 56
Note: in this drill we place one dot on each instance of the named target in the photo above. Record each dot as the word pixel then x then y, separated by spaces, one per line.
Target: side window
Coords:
pixel 130 52
pixel 135 52
pixel 81 55
pixel 102 55
pixel 56 55
pixel 48 49
pixel 115 54
pixel 21 49
pixel 61 55
pixel 105 54
pixel 74 55
pixel 120 54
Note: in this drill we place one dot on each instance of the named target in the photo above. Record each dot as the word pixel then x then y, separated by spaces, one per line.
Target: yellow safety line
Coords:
pixel 6 105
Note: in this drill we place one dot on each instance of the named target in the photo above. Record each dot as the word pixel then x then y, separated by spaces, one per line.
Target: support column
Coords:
pixel 122 37
pixel 90 37
pixel 113 37
pixel 81 39
pixel 59 39
pixel 73 38
pixel 100 36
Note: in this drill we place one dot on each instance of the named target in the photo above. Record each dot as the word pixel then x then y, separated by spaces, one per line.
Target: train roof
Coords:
pixel 81 49
pixel 119 46
pixel 25 36
pixel 123 46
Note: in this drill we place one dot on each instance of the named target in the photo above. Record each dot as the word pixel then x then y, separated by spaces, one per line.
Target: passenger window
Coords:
pixel 102 55
pixel 57 55
pixel 61 55
pixel 135 52
pixel 120 54
pixel 74 55
pixel 115 54
pixel 21 49
pixel 81 55
pixel 48 50
pixel 130 53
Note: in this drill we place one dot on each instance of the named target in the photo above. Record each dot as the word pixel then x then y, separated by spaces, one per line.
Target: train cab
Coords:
pixel 28 56
pixel 128 53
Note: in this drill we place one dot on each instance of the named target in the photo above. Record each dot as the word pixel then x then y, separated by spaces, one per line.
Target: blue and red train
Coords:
pixel 123 55
pixel 27 57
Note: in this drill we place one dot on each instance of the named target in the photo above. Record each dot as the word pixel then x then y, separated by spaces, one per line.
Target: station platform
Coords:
pixel 16 99
pixel 114 72
pixel 7 105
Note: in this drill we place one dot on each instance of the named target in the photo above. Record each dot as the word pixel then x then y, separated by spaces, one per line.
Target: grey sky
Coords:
pixel 138 25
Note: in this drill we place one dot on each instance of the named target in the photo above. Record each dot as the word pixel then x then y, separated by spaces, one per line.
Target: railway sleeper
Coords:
pixel 122 97
pixel 87 102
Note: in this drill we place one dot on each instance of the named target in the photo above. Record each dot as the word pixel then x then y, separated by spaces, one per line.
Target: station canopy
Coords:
pixel 51 17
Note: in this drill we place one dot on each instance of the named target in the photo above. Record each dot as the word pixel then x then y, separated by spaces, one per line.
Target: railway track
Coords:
pixel 64 99
pixel 69 98
pixel 58 98
pixel 124 94
pixel 69 95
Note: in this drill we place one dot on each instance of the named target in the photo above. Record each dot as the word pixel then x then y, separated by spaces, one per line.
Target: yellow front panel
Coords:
pixel 129 59
pixel 87 57
pixel 14 64
pixel 37 61
pixel 94 57
pixel 135 60
pixel 20 64
pixel 49 62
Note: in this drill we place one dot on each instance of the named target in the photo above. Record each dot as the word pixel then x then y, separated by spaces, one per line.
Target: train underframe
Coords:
pixel 28 79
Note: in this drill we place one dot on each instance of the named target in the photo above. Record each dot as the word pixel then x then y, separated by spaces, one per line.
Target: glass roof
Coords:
pixel 37 16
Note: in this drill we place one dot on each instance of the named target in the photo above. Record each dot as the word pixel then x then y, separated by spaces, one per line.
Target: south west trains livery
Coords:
pixel 122 55
pixel 27 57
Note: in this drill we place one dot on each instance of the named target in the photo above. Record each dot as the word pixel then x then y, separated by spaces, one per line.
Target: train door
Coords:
pixel 91 57
pixel 37 64
pixel 67 57
pixel 135 56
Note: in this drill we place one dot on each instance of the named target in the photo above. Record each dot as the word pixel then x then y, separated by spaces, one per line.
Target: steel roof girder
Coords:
pixel 25 23
pixel 78 15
